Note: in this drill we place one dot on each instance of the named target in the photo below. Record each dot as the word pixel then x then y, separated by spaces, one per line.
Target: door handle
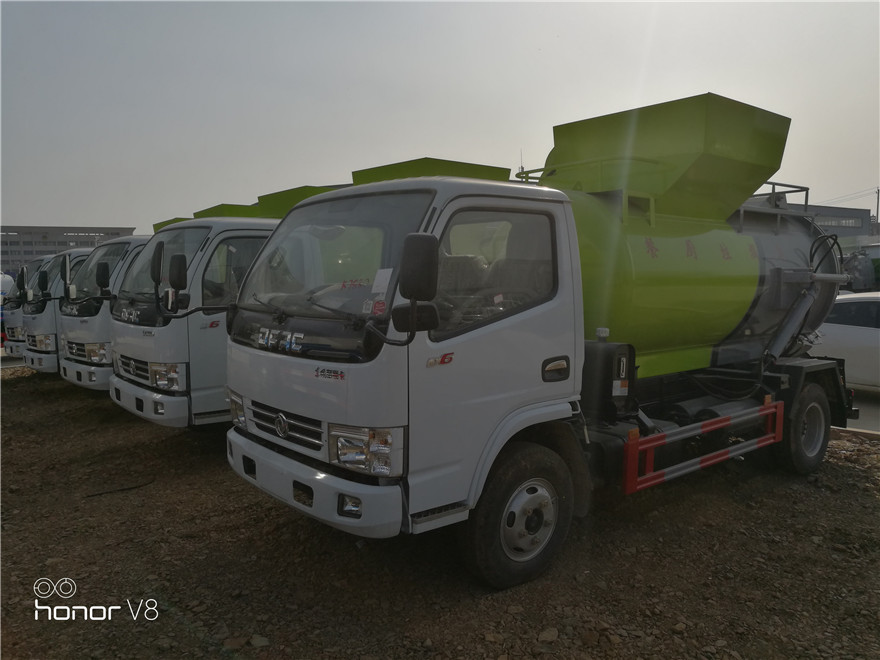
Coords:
pixel 556 369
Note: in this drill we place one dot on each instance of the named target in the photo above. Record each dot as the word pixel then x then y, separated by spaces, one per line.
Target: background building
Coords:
pixel 20 244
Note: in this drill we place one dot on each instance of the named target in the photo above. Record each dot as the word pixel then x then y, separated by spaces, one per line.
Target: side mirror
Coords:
pixel 177 272
pixel 43 281
pixel 102 275
pixel 419 266
pixel 426 317
pixel 65 269
pixel 21 279
pixel 156 263
pixel 177 279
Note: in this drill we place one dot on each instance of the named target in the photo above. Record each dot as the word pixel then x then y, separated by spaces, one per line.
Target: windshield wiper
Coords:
pixel 357 322
pixel 280 314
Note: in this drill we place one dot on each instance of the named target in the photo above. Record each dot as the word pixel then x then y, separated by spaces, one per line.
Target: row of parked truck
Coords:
pixel 91 315
pixel 411 353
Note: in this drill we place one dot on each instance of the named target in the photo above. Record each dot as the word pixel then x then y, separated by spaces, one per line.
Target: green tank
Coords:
pixel 674 260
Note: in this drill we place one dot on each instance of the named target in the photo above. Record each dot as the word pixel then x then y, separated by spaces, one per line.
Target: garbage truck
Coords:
pixel 168 358
pixel 416 353
pixel 40 314
pixel 85 311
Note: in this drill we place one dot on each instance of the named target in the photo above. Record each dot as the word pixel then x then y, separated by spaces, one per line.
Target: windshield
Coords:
pixel 182 240
pixel 336 258
pixel 84 281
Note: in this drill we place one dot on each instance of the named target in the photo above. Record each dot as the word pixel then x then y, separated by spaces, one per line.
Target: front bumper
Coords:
pixel 43 362
pixel 161 409
pixel 15 348
pixel 287 480
pixel 94 377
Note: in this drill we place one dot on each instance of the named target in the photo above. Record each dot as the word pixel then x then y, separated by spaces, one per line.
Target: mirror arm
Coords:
pixel 411 334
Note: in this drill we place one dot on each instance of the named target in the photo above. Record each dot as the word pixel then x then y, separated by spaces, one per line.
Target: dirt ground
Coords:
pixel 738 561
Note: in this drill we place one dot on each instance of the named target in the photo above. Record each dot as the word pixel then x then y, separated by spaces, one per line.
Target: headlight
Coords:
pixel 372 451
pixel 44 342
pixel 236 407
pixel 97 353
pixel 166 376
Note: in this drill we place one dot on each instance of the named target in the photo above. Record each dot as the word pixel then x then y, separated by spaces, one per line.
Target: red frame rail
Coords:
pixel 636 445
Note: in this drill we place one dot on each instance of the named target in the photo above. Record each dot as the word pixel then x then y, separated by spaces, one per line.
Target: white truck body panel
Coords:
pixel 197 342
pixel 433 389
pixel 13 318
pixel 15 343
pixel 77 331
pixel 47 323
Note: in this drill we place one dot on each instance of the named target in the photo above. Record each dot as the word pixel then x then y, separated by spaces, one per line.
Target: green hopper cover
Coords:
pixel 277 204
pixel 429 167
pixel 701 156
pixel 229 211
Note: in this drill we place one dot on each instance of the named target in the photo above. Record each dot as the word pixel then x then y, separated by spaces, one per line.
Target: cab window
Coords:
pixel 493 264
pixel 860 313
pixel 227 267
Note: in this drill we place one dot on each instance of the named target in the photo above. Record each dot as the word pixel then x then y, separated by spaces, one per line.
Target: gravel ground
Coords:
pixel 738 561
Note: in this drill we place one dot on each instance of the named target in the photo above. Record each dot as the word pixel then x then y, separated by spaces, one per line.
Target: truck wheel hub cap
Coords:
pixel 529 520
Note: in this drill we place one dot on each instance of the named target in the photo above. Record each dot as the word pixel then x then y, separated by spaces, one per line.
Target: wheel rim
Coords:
pixel 529 520
pixel 812 430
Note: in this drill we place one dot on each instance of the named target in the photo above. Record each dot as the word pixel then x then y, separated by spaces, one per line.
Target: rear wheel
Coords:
pixel 522 517
pixel 807 431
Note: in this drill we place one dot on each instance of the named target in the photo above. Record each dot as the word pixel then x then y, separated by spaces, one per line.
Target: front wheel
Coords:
pixel 807 431
pixel 522 517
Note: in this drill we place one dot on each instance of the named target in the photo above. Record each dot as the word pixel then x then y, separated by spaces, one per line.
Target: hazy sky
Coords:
pixel 132 113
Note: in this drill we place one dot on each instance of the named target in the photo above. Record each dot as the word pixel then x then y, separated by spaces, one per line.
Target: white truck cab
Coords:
pixel 85 312
pixel 26 280
pixel 324 411
pixel 41 316
pixel 169 364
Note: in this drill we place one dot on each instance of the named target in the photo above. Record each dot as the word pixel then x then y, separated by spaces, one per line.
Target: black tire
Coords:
pixel 806 431
pixel 522 517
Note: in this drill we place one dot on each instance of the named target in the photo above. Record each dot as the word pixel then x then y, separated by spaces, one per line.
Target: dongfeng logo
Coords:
pixel 281 425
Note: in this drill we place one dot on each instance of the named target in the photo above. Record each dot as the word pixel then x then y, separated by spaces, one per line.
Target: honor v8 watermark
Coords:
pixel 65 588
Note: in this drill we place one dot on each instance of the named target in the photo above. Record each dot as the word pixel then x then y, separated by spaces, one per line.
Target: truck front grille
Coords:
pixel 297 429
pixel 134 368
pixel 76 349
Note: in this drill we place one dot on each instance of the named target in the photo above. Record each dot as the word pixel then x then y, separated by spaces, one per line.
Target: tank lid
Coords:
pixel 701 156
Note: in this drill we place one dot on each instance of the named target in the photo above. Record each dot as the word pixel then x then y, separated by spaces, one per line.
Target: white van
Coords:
pixel 85 312
pixel 169 364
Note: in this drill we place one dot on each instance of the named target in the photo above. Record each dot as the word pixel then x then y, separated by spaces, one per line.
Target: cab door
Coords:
pixel 217 285
pixel 507 348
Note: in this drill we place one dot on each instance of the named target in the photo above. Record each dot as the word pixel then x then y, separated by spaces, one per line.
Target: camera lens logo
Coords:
pixel 44 587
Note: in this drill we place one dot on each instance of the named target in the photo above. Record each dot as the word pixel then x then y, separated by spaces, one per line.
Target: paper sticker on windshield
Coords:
pixel 382 280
